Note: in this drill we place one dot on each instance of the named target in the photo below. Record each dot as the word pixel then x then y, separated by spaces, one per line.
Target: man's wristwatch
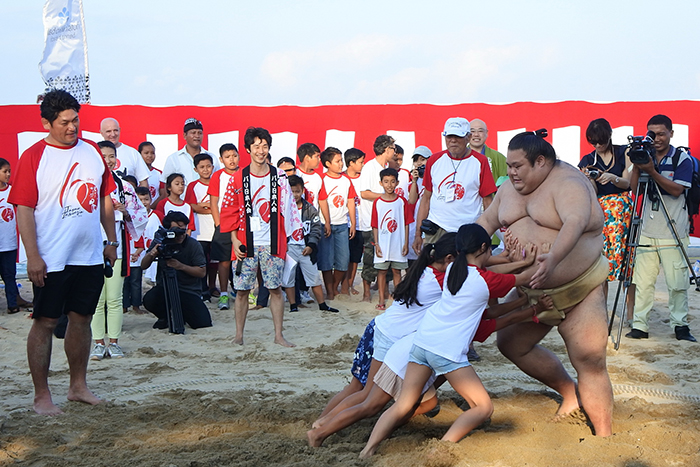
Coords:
pixel 108 243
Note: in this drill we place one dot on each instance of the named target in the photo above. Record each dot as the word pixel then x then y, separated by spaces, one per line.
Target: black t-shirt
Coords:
pixel 617 167
pixel 191 254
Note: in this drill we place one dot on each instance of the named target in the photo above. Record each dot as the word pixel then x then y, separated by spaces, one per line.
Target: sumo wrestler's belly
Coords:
pixel 585 252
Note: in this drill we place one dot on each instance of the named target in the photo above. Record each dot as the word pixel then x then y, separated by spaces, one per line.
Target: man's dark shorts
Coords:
pixel 357 245
pixel 76 288
pixel 221 246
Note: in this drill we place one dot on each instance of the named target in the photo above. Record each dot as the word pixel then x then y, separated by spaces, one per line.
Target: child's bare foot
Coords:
pixel 366 298
pixel 344 289
pixel 366 453
pixel 46 407
pixel 284 342
pixel 380 306
pixel 138 310
pixel 354 291
pixel 238 340
pixel 313 439
pixel 83 394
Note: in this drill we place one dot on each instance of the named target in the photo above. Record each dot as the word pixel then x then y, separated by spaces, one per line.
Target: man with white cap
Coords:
pixel 457 184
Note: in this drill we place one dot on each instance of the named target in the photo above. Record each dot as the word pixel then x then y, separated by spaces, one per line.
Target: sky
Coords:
pixel 307 52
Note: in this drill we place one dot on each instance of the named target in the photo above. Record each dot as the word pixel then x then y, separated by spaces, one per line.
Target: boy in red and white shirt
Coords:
pixel 309 159
pixel 221 241
pixel 337 201
pixel 391 215
pixel 148 154
pixel 198 198
pixel 404 181
pixel 354 161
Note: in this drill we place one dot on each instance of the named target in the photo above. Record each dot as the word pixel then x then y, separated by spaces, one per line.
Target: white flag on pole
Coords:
pixel 65 63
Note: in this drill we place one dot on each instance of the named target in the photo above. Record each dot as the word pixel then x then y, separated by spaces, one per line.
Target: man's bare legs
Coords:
pixel 241 313
pixel 586 335
pixel 77 347
pixel 277 310
pixel 39 355
pixel 518 343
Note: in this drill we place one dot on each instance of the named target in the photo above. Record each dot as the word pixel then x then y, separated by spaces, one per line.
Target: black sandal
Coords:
pixel 13 310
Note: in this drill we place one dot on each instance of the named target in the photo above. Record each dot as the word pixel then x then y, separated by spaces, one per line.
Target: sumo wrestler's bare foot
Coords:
pixel 45 406
pixel 283 342
pixel 83 394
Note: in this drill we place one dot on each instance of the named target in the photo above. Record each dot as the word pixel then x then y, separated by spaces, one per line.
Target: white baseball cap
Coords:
pixel 457 126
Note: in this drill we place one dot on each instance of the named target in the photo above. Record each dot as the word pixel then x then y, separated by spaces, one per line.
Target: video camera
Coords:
pixel 164 240
pixel 641 148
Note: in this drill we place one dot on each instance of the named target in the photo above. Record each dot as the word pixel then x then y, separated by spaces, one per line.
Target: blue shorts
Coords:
pixel 440 365
pixel 334 251
pixel 382 344
pixel 363 354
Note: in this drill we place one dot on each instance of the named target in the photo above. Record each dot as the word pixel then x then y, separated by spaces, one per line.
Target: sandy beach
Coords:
pixel 199 400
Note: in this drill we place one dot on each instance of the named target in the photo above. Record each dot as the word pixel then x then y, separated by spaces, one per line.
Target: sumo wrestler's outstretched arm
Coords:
pixel 574 210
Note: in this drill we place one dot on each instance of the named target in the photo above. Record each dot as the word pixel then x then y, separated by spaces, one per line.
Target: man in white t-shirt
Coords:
pixel 61 192
pixel 182 161
pixel 129 161
pixel 458 185
pixel 370 185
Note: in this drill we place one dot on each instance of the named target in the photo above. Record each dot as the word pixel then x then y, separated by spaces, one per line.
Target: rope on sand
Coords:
pixel 617 388
pixel 522 378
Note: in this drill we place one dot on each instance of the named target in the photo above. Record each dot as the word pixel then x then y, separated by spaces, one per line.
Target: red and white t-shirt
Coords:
pixel 217 185
pixel 165 206
pixel 337 191
pixel 355 184
pixel 412 226
pixel 448 328
pixel 369 181
pixel 399 320
pixel 154 183
pixel 457 186
pixel 312 187
pixel 404 183
pixel 64 186
pixel 8 222
pixel 390 219
pixel 197 192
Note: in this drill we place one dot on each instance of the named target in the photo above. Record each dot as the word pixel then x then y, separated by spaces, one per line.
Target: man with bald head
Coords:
pixel 497 161
pixel 129 161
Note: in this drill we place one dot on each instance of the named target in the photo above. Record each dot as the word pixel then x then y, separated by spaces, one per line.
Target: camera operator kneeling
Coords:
pixel 185 255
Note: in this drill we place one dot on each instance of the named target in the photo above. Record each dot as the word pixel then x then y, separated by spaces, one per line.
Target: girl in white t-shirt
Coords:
pixel 420 289
pixel 443 337
pixel 175 187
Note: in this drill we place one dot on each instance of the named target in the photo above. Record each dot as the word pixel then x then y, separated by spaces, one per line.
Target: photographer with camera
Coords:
pixel 606 168
pixel 657 243
pixel 185 255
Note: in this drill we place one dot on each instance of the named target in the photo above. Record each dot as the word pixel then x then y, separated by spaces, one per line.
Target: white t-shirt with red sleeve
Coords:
pixel 312 187
pixel 390 219
pixel 165 206
pixel 337 191
pixel 197 192
pixel 8 222
pixel 399 320
pixel 404 183
pixel 369 181
pixel 217 185
pixel 154 182
pixel 458 186
pixel 449 326
pixel 355 184
pixel 64 186
pixel 130 162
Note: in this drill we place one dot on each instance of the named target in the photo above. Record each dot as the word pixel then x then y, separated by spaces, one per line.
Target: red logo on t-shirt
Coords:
pixel 399 191
pixel 298 235
pixel 262 205
pixel 117 165
pixel 338 201
pixel 152 190
pixel 459 191
pixel 448 181
pixel 87 195
pixel 7 214
pixel 309 195
pixel 391 224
